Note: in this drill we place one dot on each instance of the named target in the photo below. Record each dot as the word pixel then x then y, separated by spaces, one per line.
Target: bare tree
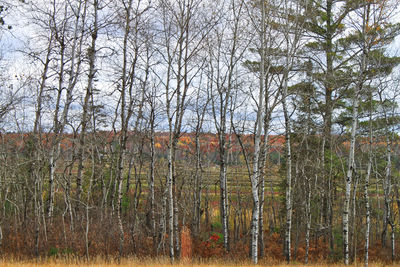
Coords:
pixel 88 94
pixel 184 27
pixel 130 87
pixel 372 15
pixel 67 78
pixel 226 52
pixel 291 13
pixel 200 107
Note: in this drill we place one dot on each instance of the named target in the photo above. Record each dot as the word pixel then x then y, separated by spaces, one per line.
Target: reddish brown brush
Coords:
pixel 186 244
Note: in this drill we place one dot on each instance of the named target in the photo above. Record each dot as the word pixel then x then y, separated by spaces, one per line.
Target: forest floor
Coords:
pixel 165 262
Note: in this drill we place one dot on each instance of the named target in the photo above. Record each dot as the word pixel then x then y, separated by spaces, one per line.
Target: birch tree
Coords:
pixel 257 151
pixel 268 42
pixel 62 27
pixel 92 53
pixel 133 22
pixel 200 110
pixel 152 111
pixel 266 99
pixel 388 107
pixel 88 115
pixel 225 54
pixel 185 25
pixel 372 39
pixel 67 78
pixel 366 185
pixel 291 14
pixel 326 24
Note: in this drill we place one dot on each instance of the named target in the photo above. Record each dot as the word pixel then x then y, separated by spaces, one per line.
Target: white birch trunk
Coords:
pixel 261 213
pixel 224 83
pixel 51 181
pixel 387 187
pixel 198 186
pixel 288 193
pixel 224 202
pixel 308 218
pixel 85 112
pixel 367 213
pixel 119 182
pixel 151 182
pixel 348 181
pixel 170 204
pixel 73 73
pixel 201 112
pixel 351 162
pixel 366 187
pixel 37 211
pixel 89 192
pixel 255 182
pixel 256 156
pixel 120 226
pixel 176 226
pixel 262 177
pixel 393 242
pixel 163 222
pixel 354 213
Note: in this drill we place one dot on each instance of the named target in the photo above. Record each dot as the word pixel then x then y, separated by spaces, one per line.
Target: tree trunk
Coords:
pixel 348 181
pixel 198 186
pixel 176 223
pixel 224 200
pixel 151 182
pixel 308 218
pixel 119 182
pixel 366 187
pixel 85 114
pixel 261 216
pixel 288 195
pixel 393 241
pixel 163 222
pixel 51 181
pixel 353 228
pixel 387 188
pixel 170 203
pixel 89 192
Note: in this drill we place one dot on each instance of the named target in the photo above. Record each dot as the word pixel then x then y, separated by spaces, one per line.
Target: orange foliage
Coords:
pixel 186 243
pixel 158 145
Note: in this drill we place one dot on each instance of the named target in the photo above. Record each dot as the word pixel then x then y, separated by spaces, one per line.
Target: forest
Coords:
pixel 258 130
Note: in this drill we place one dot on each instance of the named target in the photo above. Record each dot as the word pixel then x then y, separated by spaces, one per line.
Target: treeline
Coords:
pixel 92 84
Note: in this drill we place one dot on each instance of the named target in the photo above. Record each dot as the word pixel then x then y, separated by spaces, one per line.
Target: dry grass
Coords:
pixel 162 262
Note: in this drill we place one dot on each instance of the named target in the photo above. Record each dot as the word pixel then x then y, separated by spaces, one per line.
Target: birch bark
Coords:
pixel 152 175
pixel 224 56
pixel 182 39
pixel 255 177
pixel 73 74
pixel 351 161
pixel 349 175
pixel 288 194
pixel 92 53
pixel 366 187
